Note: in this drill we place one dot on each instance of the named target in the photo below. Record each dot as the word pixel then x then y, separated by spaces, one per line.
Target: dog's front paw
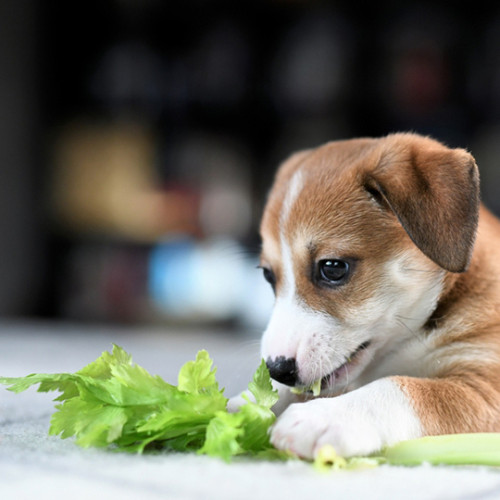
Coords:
pixel 305 427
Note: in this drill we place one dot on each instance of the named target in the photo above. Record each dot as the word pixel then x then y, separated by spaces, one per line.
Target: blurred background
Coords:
pixel 139 137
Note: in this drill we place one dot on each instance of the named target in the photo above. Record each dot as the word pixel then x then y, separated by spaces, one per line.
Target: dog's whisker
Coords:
pixel 413 333
pixel 346 384
pixel 406 318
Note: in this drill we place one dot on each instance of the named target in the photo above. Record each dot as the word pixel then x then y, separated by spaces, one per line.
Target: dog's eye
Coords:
pixel 269 276
pixel 333 271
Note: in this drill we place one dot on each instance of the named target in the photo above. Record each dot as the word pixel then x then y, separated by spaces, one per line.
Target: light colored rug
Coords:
pixel 36 466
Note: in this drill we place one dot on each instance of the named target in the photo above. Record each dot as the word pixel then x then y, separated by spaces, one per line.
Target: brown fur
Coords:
pixel 404 192
pixel 465 395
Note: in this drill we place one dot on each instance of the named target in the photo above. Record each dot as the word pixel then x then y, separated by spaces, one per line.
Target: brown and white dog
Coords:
pixel 383 293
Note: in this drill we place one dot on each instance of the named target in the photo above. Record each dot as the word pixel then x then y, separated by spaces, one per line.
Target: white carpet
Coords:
pixel 36 466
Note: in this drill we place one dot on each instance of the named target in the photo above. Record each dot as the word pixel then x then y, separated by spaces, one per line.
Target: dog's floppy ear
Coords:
pixel 434 192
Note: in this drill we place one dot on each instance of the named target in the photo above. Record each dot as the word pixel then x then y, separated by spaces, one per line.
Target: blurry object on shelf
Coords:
pixel 105 183
pixel 417 83
pixel 311 78
pixel 219 169
pixel 115 197
pixel 180 280
pixel 312 67
pixel 210 281
pixel 220 67
pixel 105 282
pixel 131 79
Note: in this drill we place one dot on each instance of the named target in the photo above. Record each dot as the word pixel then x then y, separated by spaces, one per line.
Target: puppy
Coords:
pixel 386 301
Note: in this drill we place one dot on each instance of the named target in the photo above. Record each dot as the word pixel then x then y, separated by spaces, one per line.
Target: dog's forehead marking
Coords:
pixel 288 275
pixel 295 186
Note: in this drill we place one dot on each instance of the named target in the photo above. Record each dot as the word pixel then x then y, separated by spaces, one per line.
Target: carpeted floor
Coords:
pixel 36 466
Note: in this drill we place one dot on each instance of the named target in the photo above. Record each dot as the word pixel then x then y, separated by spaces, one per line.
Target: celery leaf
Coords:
pixel 114 402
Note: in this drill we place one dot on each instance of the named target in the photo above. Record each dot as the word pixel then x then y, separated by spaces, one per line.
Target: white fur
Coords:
pixel 294 188
pixel 296 331
pixel 358 423
pixel 288 287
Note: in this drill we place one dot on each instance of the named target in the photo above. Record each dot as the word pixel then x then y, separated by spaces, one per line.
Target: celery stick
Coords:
pixel 315 388
pixel 450 449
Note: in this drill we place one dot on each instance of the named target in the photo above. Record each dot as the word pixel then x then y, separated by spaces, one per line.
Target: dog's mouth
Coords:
pixel 329 381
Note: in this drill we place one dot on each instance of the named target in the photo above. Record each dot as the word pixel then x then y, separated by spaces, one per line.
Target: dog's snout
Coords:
pixel 283 370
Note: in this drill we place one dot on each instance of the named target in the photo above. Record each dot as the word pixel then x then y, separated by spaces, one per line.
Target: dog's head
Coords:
pixel 358 237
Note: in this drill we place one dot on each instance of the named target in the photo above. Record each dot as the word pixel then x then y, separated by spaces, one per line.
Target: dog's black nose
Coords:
pixel 283 370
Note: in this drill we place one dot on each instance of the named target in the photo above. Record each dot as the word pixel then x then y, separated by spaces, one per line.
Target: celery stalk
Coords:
pixel 315 388
pixel 449 449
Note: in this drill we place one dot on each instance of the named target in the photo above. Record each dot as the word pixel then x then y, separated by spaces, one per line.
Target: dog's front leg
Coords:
pixel 387 411
pixel 357 423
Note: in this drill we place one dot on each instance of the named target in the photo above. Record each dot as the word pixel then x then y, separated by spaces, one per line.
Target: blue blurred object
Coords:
pixel 171 273
pixel 208 281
